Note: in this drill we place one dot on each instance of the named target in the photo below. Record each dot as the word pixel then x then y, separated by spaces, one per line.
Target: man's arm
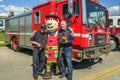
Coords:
pixel 36 43
pixel 32 39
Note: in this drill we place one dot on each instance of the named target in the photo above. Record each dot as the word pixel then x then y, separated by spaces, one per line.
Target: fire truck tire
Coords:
pixel 113 43
pixel 14 44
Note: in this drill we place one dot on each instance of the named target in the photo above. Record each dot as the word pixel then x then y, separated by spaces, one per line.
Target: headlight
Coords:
pixel 90 39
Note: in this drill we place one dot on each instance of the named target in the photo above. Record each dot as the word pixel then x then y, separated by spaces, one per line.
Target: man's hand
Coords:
pixel 34 33
pixel 38 44
pixel 64 42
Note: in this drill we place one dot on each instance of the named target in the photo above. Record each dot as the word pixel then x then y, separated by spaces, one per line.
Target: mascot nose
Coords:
pixel 49 23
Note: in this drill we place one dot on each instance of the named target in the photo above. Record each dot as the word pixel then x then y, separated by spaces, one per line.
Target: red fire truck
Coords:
pixel 114 22
pixel 88 20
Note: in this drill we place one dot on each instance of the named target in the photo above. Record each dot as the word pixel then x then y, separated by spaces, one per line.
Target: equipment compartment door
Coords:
pixel 22 31
pixel 28 30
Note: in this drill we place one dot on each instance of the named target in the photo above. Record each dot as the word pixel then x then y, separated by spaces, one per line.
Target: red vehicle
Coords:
pixel 88 20
pixel 114 22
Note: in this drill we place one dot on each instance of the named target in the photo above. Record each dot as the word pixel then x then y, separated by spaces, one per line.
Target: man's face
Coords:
pixel 63 25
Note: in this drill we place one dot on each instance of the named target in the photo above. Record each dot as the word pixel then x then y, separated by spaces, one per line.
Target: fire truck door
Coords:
pixel 22 31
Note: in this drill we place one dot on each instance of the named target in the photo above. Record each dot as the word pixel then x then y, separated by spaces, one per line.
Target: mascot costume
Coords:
pixel 51 51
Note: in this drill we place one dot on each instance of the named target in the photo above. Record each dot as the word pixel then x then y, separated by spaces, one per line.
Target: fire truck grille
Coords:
pixel 100 39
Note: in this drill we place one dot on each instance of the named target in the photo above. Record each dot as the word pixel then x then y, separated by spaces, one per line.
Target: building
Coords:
pixel 2 23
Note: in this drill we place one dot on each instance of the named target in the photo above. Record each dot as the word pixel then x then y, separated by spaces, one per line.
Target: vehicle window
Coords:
pixel 119 22
pixel 65 10
pixel 111 22
pixel 96 12
pixel 37 17
pixel 1 23
pixel 76 9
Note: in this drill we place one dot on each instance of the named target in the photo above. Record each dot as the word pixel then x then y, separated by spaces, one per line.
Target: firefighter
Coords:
pixel 38 41
pixel 66 39
pixel 51 52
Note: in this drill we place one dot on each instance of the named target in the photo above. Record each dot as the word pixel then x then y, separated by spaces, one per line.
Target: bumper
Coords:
pixel 97 51
pixel 91 52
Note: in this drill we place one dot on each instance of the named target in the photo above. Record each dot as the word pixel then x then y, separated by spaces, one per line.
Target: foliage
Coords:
pixel 2 36
pixel 3 44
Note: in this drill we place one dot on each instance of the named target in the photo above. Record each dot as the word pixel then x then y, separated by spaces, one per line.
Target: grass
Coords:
pixel 3 44
pixel 2 36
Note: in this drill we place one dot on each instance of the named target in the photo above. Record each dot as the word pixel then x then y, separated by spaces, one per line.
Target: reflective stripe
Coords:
pixel 85 35
pixel 77 34
pixel 81 35
pixel 52 47
pixel 56 33
pixel 46 53
pixel 48 68
pixel 56 54
pixel 52 61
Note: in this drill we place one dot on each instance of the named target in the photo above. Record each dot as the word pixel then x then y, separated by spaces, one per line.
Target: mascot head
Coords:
pixel 52 22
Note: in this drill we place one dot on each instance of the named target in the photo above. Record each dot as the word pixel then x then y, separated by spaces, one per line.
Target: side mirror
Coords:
pixel 107 20
pixel 70 7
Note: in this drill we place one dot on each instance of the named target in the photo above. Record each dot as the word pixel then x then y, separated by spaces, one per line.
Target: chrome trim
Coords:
pixel 84 11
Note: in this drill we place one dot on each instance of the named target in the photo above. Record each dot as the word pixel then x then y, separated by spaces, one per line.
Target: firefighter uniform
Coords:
pixel 38 54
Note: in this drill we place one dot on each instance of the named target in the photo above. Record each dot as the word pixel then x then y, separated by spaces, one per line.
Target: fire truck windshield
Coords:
pixel 97 13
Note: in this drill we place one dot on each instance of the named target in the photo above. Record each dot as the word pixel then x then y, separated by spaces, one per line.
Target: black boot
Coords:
pixel 57 72
pixel 61 76
pixel 47 75
pixel 35 78
pixel 41 74
pixel 69 78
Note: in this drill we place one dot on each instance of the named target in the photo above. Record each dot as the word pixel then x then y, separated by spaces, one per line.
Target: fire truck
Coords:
pixel 89 22
pixel 114 22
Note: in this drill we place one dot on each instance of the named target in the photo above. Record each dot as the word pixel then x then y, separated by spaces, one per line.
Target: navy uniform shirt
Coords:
pixel 39 37
pixel 68 34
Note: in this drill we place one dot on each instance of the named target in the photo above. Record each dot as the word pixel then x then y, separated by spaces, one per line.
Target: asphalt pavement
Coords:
pixel 18 66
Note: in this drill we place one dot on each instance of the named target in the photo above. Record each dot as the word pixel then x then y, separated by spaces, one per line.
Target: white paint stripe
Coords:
pixel 11 33
pixel 20 33
pixel 28 33
pixel 75 34
pixel 79 35
pixel 85 35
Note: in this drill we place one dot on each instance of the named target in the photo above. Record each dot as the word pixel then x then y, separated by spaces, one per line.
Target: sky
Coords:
pixel 17 6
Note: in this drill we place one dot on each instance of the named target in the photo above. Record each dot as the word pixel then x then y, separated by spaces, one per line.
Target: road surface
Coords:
pixel 18 66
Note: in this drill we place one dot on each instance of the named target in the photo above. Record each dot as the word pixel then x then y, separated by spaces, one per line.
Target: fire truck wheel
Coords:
pixel 14 44
pixel 113 44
